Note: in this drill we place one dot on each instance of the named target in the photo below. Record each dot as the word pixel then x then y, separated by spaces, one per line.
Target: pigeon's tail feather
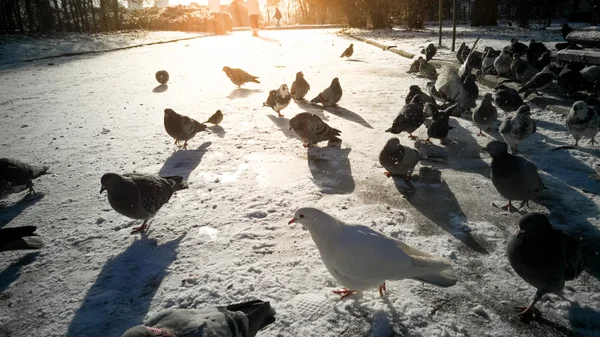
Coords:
pixel 178 183
pixel 444 279
pixel 318 99
pixel 259 313
pixel 255 80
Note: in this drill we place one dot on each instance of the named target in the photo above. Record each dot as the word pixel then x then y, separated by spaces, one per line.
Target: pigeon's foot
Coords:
pixel 410 136
pixel 382 288
pixel 185 145
pixel 428 141
pixel 344 292
pixel 306 144
pixel 592 141
pixel 279 115
pixel 140 229
pixel 527 314
pixel 508 207
pixel 176 142
pixel 387 174
pixel 480 134
pixel 524 203
pixel 31 191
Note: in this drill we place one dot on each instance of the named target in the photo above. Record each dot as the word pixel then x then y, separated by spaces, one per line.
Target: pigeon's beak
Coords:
pixel 292 221
pixel 102 189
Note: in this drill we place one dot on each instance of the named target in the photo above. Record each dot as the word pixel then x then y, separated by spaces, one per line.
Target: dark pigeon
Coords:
pixel 19 238
pixel 16 175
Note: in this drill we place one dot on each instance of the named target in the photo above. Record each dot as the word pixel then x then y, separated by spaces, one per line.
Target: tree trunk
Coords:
pixel 103 20
pixel 484 13
pixel 522 14
pixel 379 13
pixel 68 26
pixel 18 16
pixel 6 14
pixel 84 14
pixel 75 15
pixel 94 25
pixel 58 19
pixel 415 14
pixel 116 14
pixel 30 18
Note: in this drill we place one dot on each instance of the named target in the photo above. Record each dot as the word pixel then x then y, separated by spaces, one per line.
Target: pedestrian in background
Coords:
pixel 278 17
pixel 254 14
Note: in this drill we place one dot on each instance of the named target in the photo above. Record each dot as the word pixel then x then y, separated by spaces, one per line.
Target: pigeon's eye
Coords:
pixel 301 216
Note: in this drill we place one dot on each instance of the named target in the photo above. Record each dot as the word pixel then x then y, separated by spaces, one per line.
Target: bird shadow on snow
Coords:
pixel 183 162
pixel 357 60
pixel 348 115
pixel 242 93
pixel 584 320
pixel 284 125
pixel 218 130
pixel 312 108
pixel 437 203
pixel 123 291
pixel 7 214
pixel 160 88
pixel 268 39
pixel 330 168
pixel 11 273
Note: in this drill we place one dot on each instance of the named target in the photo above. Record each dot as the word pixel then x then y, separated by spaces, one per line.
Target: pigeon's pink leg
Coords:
pixel 508 207
pixel 382 288
pixel 480 134
pixel 176 142
pixel 344 292
pixel 410 135
pixel 387 174
pixel 143 227
pixel 185 145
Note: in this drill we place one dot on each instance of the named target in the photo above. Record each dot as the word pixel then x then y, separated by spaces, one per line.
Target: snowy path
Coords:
pixel 226 238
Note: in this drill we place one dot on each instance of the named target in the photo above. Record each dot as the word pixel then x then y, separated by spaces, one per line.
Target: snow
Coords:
pixel 226 239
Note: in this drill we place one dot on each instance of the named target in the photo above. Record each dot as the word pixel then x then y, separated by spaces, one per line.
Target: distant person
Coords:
pixel 278 17
pixel 254 14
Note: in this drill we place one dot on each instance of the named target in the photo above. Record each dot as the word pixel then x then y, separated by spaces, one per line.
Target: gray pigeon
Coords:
pixel 15 175
pixel 503 61
pixel 19 238
pixel 538 82
pixel 139 196
pixel 181 127
pixel 452 89
pixel 415 90
pixel 299 87
pixel 239 77
pixel 433 92
pixel 485 115
pixel 427 70
pixel 517 47
pixel 239 320
pixel 507 99
pixel 279 99
pixel 439 126
pixel 348 52
pixel 514 177
pixel 414 66
pixel 583 121
pixel 410 118
pixel 330 96
pixel 487 64
pixel 312 130
pixel 518 67
pixel 544 257
pixel 399 160
pixel 429 52
pixel 162 76
pixel 472 91
pixel 518 127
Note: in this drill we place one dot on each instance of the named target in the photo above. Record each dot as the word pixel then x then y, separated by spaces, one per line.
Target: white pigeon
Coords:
pixel 518 127
pixel 279 99
pixel 582 121
pixel 360 258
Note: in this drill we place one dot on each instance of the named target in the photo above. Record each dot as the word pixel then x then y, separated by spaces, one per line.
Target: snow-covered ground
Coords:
pixel 17 48
pixel 226 239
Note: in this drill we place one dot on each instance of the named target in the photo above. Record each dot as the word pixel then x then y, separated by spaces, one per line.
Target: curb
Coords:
pixel 298 27
pixel 109 50
pixel 382 46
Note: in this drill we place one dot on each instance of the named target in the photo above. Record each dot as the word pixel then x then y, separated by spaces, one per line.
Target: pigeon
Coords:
pixel 591 73
pixel 518 127
pixel 572 81
pixel 472 91
pixel 517 47
pixel 410 118
pixel 312 130
pixel 538 82
pixel 503 62
pixel 19 238
pixel 429 52
pixel 439 126
pixel 239 77
pixel 240 320
pixel 514 177
pixel 472 60
pixel 139 196
pixel 216 118
pixel 415 90
pixel 278 99
pixel 507 99
pixel 462 53
pixel 566 30
pixel 452 89
pixel 487 64
pixel 542 61
pixel 17 176
pixel 535 51
pixel 583 121
pixel 567 45
pixel 180 127
pixel 360 258
pixel 162 76
pixel 348 52
pixel 399 160
pixel 330 96
pixel 485 115
pixel 414 66
pixel 518 67
pixel 299 87
pixel 544 257
pixel 434 93
pixel 427 70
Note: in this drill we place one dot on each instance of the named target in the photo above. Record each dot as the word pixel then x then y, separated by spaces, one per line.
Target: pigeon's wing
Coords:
pixel 272 99
pixel 154 190
pixel 15 172
pixel 293 88
pixel 327 94
pixel 506 126
pixel 320 130
pixel 539 80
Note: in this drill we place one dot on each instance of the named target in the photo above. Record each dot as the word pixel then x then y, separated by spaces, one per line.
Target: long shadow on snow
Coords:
pixel 312 108
pixel 160 88
pixel 123 291
pixel 183 162
pixel 11 273
pixel 242 93
pixel 438 204
pixel 7 214
pixel 330 168
pixel 217 130
pixel 560 200
pixel 584 320
pixel 284 125
pixel 348 115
